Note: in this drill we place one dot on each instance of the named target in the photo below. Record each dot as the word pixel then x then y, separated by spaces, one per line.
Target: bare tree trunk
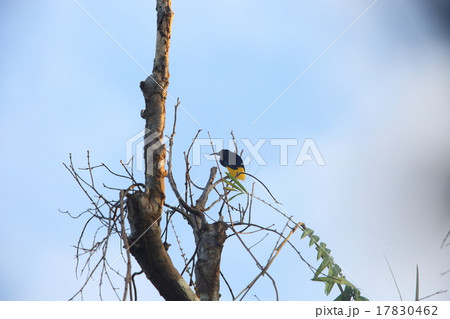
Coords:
pixel 145 209
pixel 150 252
pixel 207 268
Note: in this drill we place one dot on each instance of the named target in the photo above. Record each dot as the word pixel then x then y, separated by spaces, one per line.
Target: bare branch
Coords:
pixel 269 263
pixel 127 247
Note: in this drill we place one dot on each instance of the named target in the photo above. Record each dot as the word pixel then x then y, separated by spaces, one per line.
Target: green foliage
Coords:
pixel 334 275
pixel 350 293
pixel 234 185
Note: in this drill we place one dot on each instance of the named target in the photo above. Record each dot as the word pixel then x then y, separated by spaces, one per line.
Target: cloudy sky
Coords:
pixel 367 83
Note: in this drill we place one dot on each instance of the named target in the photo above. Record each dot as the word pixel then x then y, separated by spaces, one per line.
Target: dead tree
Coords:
pixel 143 205
pixel 145 208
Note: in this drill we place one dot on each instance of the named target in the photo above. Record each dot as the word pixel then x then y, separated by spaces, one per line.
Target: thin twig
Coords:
pixel 127 247
pixel 134 283
pixel 269 263
pixel 228 285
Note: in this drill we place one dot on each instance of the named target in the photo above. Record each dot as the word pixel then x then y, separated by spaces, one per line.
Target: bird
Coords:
pixel 235 165
pixel 233 162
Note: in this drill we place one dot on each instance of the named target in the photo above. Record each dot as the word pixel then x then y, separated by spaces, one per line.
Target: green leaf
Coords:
pixel 346 295
pixel 335 270
pixel 240 185
pixel 325 263
pixel 321 250
pixel 361 298
pixel 307 232
pixel 229 182
pixel 237 183
pixel 350 291
pixel 324 279
pixel 343 281
pixel 231 185
pixel 340 298
pixel 230 199
pixel 328 288
pixel 314 239
pixel 336 280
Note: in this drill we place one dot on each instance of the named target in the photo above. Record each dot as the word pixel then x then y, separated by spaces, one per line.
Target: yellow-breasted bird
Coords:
pixel 235 166
pixel 233 162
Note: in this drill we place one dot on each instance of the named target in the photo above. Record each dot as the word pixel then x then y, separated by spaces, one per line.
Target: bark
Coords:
pixel 145 208
pixel 151 253
pixel 154 89
pixel 207 268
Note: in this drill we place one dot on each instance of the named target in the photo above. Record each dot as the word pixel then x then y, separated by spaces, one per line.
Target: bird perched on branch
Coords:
pixel 235 166
pixel 233 162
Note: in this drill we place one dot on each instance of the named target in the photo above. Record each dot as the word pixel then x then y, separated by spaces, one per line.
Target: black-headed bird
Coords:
pixel 233 162
pixel 235 165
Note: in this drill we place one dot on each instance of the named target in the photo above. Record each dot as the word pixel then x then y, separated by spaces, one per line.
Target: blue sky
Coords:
pixel 376 105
